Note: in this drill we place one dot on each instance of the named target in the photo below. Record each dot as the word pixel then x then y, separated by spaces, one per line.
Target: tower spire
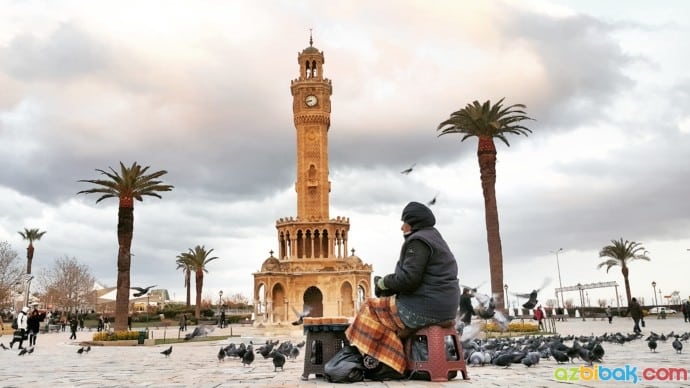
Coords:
pixel 311 41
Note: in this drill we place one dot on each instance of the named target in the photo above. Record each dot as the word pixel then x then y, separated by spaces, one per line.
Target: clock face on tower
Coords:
pixel 311 100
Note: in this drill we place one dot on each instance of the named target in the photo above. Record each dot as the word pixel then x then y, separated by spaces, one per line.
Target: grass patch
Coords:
pixel 175 340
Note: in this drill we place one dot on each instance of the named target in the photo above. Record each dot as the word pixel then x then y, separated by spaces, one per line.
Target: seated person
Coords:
pixel 422 291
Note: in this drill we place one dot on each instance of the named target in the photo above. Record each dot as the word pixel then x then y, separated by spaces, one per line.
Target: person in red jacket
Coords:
pixel 539 316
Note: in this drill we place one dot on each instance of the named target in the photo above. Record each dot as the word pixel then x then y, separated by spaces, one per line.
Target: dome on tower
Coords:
pixel 353 261
pixel 270 264
pixel 310 49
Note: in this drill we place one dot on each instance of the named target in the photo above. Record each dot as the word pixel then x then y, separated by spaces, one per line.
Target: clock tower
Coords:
pixel 313 271
pixel 311 107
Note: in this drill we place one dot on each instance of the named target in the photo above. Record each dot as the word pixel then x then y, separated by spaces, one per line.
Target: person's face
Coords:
pixel 406 228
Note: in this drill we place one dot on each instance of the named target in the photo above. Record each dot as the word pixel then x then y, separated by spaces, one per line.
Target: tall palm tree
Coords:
pixel 187 277
pixel 129 184
pixel 196 259
pixel 31 235
pixel 486 122
pixel 619 253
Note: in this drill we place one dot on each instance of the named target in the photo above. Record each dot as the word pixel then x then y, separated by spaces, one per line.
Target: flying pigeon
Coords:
pixel 433 200
pixel 167 351
pixel 142 291
pixel 532 296
pixel 81 350
pixel 408 170
pixel 300 316
pixel 199 331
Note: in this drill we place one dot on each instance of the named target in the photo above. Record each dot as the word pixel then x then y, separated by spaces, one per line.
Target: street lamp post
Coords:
pixel 659 294
pixel 507 303
pixel 220 304
pixel 656 302
pixel 560 283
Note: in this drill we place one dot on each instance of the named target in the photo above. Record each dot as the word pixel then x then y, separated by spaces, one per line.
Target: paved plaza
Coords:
pixel 55 362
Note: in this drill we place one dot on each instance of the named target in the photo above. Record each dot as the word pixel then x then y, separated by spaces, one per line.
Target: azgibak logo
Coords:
pixel 627 373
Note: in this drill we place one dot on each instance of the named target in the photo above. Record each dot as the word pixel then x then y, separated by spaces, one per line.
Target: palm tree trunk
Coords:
pixel 624 270
pixel 29 257
pixel 188 283
pixel 486 154
pixel 199 287
pixel 125 226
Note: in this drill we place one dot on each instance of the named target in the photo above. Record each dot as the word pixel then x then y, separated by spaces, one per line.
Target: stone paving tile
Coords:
pixel 55 362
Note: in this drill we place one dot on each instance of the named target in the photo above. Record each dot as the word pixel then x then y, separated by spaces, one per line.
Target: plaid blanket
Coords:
pixel 374 332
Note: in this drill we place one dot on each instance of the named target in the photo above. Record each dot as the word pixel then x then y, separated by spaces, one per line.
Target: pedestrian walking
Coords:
pixel 609 314
pixel 33 325
pixel 635 314
pixel 73 324
pixel 20 331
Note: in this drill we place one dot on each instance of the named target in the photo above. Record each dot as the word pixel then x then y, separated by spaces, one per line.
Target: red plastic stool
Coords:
pixel 441 365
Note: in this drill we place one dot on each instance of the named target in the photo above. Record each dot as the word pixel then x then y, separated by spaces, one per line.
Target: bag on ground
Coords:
pixel 346 366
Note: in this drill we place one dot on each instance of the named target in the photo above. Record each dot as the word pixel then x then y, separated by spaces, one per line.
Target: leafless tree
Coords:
pixel 10 273
pixel 67 284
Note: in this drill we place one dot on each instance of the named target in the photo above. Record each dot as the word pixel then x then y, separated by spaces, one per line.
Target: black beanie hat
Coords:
pixel 418 216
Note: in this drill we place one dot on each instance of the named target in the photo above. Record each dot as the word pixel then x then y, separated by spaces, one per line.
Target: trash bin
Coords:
pixel 142 336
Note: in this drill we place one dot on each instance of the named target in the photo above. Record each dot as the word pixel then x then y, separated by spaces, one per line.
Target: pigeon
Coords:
pixel 248 356
pixel 433 200
pixel 408 170
pixel 221 354
pixel 487 310
pixel 3 346
pixel 88 349
pixel 300 316
pixel 503 359
pixel 677 345
pixel 652 344
pixel 81 350
pixel 559 356
pixel 278 360
pixel 167 351
pixel 294 353
pixel 532 296
pixel 141 291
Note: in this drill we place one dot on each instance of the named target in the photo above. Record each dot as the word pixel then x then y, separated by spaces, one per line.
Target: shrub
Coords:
pixel 512 326
pixel 117 335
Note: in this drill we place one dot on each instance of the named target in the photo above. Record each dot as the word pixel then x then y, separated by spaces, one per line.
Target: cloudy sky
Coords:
pixel 202 89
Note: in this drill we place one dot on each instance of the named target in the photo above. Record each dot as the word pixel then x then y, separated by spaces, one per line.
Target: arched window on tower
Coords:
pixel 308 70
pixel 314 69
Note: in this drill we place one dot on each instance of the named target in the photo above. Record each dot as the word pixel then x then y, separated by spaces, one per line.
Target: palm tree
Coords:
pixel 196 259
pixel 486 122
pixel 187 275
pixel 130 184
pixel 620 253
pixel 31 235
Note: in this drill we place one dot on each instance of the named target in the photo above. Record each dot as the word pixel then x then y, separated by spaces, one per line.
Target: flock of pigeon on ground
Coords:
pixel 278 351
